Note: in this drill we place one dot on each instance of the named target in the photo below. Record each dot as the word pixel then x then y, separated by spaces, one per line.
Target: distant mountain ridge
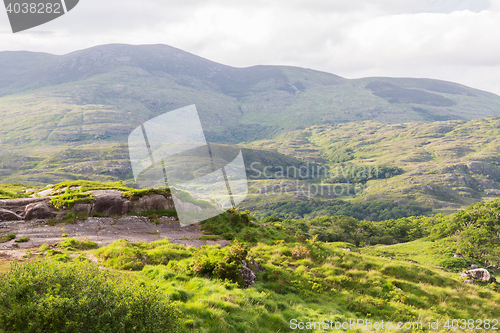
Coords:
pixel 236 104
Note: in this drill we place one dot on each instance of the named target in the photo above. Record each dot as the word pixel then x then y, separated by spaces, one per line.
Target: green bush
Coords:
pixel 55 297
pixel 221 263
pixel 122 254
pixel 458 264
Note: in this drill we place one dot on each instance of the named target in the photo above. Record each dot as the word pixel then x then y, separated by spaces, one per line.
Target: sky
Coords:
pixel 453 40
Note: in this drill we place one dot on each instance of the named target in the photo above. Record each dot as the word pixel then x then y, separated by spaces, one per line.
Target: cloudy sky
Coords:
pixel 455 40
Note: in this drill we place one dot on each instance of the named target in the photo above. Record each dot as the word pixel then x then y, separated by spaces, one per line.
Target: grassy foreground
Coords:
pixel 305 280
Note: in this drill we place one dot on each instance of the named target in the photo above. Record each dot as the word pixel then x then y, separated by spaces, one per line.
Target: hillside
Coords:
pixel 444 165
pixel 92 99
pixel 297 277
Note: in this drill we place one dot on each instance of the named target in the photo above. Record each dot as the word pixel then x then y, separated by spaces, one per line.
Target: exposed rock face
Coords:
pixel 152 202
pixel 106 202
pixel 18 206
pixel 110 203
pixel 7 215
pixel 248 272
pixel 40 210
pixel 82 208
pixel 248 275
pixel 478 274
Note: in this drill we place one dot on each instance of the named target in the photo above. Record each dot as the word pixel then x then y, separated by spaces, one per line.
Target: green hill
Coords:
pixel 94 98
pixel 443 165
pixel 303 280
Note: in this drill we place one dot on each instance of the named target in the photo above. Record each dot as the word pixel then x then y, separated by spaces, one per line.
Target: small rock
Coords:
pixel 478 274
pixel 468 281
pixel 457 255
pixel 7 215
pixel 473 267
pixel 248 275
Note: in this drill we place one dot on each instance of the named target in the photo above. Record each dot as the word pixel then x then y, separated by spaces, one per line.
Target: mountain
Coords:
pixel 102 93
pixel 69 116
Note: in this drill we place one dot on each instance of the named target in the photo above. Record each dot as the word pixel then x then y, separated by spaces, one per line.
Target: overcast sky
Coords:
pixel 454 40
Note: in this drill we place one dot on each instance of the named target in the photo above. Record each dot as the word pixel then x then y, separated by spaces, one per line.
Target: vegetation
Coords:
pixel 307 209
pixel 23 239
pixel 132 194
pixel 71 198
pixel 6 238
pixel 324 267
pixel 51 296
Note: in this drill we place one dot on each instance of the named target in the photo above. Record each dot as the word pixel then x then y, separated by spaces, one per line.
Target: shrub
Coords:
pixel 55 297
pixel 458 264
pixel 221 263
pixel 122 255
pixel 300 252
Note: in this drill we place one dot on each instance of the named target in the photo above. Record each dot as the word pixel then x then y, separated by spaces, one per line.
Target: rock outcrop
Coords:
pixel 18 206
pixel 40 210
pixel 7 215
pixel 152 202
pixel 248 272
pixel 107 202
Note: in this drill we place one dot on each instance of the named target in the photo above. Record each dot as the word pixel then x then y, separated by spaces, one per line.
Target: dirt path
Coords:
pixel 101 230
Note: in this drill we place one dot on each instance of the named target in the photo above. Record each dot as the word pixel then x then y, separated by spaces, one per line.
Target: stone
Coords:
pixel 18 206
pixel 457 255
pixel 249 277
pixel 40 210
pixel 110 202
pixel 152 202
pixel 82 208
pixel 473 267
pixel 7 215
pixel 478 274
pixel 469 281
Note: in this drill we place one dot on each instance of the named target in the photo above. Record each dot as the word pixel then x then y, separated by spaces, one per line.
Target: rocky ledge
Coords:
pixel 39 222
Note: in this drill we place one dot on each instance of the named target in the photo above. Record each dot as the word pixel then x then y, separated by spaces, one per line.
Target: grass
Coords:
pixel 6 238
pixel 303 278
pixel 23 239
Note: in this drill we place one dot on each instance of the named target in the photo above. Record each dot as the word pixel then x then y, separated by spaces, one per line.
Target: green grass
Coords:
pixel 6 238
pixel 23 239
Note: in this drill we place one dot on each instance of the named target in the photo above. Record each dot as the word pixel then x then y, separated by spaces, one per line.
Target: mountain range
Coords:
pixel 68 116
